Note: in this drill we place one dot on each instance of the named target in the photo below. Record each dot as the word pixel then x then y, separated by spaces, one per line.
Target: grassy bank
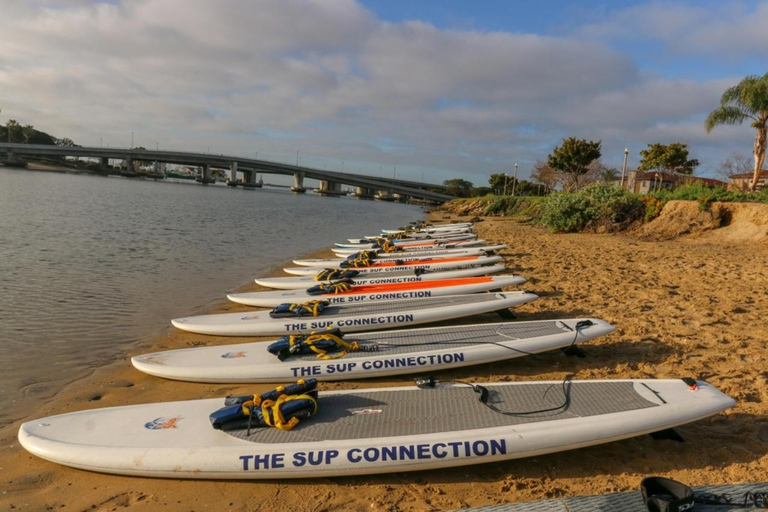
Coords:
pixel 598 207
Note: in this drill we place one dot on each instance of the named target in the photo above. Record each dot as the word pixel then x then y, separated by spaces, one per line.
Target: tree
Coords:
pixel 746 100
pixel 545 175
pixel 458 187
pixel 498 182
pixel 481 191
pixel 734 164
pixel 667 157
pixel 66 142
pixel 609 175
pixel 11 126
pixel 29 132
pixel 573 159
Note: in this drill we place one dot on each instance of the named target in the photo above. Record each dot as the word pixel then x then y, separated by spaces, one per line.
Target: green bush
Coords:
pixel 566 213
pixel 599 204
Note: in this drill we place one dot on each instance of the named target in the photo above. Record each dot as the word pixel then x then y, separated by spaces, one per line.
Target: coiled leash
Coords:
pixel 327 345
pixel 329 274
pixel 312 307
pixel 360 262
pixel 282 408
pixel 389 247
pixel 334 287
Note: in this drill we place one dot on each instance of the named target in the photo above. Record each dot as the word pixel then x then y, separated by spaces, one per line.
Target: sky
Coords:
pixel 428 90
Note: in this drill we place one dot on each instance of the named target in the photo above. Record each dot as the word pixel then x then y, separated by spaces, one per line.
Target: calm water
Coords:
pixel 90 265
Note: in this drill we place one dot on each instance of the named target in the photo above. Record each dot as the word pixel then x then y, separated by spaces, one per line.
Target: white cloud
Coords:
pixel 326 76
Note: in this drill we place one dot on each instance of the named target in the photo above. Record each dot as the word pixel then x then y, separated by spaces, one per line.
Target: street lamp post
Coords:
pixel 514 183
pixel 131 140
pixel 624 169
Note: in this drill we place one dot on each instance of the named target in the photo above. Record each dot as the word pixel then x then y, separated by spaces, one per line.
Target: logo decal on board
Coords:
pixel 162 423
pixel 365 412
pixel 233 355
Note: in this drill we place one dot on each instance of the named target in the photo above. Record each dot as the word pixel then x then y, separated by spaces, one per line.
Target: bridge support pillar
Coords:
pixel 206 177
pixel 329 188
pixel 232 181
pixel 249 179
pixel 129 165
pixel 298 183
pixel 365 193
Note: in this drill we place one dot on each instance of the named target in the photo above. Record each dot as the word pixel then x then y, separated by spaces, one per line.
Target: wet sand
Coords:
pixel 681 307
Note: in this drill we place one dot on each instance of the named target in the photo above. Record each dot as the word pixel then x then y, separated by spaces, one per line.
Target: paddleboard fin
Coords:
pixel 668 434
pixel 573 350
pixel 506 314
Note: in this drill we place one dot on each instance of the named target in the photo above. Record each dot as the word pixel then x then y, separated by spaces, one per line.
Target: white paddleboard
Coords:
pixel 483 249
pixel 411 256
pixel 392 266
pixel 368 431
pixel 363 293
pixel 416 245
pixel 355 317
pixel 419 235
pixel 304 282
pixel 397 353
pixel 437 238
pixel 430 228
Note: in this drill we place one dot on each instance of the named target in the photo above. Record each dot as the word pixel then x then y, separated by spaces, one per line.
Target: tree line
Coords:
pixel 15 132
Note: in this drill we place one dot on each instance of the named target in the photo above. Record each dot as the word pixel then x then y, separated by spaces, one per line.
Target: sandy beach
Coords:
pixel 683 307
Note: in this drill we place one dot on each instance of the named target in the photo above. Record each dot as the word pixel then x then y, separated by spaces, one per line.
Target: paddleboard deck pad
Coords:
pixel 355 317
pixel 371 430
pixel 350 293
pixel 397 353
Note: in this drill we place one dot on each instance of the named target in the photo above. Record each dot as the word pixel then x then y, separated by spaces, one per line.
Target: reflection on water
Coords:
pixel 89 265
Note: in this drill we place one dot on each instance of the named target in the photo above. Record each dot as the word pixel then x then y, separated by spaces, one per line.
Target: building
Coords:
pixel 743 181
pixel 651 181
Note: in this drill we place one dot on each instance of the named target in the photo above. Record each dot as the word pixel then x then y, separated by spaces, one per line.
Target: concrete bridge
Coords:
pixel 330 181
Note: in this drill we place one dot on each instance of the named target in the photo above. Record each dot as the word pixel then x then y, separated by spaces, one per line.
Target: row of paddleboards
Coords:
pixel 382 430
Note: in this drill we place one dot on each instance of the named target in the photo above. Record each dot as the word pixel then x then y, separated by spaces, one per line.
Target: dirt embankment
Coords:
pixel 746 222
pixel 721 221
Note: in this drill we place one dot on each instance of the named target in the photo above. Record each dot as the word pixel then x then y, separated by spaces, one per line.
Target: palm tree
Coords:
pixel 746 100
pixel 609 175
pixel 29 132
pixel 10 125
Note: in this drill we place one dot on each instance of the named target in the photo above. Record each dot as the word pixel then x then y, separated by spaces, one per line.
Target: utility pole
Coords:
pixel 624 169
pixel 505 183
pixel 514 183
pixel 131 140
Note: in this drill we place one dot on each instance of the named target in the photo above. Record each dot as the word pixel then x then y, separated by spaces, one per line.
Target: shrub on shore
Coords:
pixel 706 196
pixel 597 206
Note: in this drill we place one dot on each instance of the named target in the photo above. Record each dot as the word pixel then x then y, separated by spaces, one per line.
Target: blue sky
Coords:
pixel 440 89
